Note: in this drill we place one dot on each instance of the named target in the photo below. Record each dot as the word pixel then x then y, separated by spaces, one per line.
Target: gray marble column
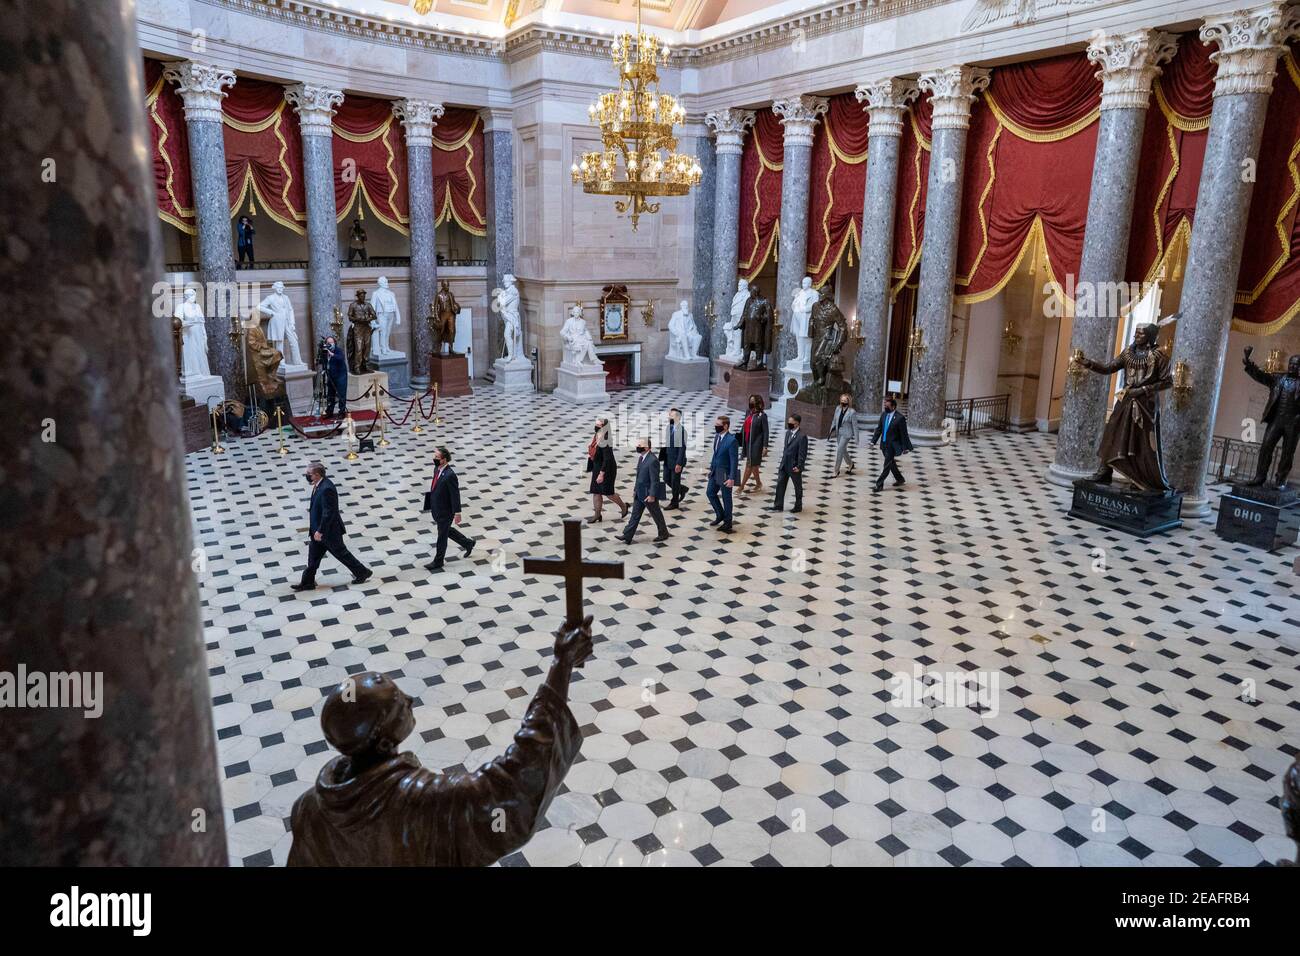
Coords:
pixel 952 94
pixel 202 88
pixel 798 117
pixel 702 263
pixel 887 105
pixel 1129 62
pixel 729 128
pixel 1249 43
pixel 95 576
pixel 315 107
pixel 418 118
pixel 499 164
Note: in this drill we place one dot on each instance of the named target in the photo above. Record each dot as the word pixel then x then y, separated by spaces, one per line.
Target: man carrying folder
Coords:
pixel 442 501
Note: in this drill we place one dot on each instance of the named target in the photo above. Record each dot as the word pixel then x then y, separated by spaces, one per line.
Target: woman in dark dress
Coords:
pixel 753 443
pixel 604 470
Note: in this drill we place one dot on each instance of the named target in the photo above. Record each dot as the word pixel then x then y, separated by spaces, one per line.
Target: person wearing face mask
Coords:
pixel 753 443
pixel 843 427
pixel 723 472
pixel 673 456
pixel 336 378
pixel 603 469
pixel 444 507
pixel 794 458
pixel 891 432
pixel 326 531
pixel 646 494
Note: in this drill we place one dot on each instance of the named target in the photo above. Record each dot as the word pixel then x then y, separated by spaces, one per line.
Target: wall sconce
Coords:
pixel 648 313
pixel 916 344
pixel 1010 340
pixel 336 325
pixel 1274 363
pixel 235 331
pixel 1076 370
pixel 710 312
pixel 856 331
pixel 1182 383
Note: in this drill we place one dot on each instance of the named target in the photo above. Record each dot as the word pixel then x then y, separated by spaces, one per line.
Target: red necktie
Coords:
pixel 436 475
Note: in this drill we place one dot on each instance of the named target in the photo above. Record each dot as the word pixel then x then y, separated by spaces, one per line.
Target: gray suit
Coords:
pixel 648 484
pixel 844 425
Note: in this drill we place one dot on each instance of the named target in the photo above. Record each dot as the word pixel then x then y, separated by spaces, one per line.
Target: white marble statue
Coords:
pixel 390 317
pixel 732 328
pixel 281 331
pixel 505 303
pixel 683 337
pixel 579 349
pixel 194 336
pixel 801 306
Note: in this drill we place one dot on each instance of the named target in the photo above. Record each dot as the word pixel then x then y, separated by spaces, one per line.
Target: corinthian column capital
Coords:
pixel 1129 62
pixel 799 115
pixel 952 93
pixel 1249 42
pixel 315 107
pixel 419 117
pixel 201 88
pixel 886 101
pixel 729 128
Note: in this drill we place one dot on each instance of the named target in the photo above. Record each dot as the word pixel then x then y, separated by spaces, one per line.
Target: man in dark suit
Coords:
pixel 674 457
pixel 724 472
pixel 794 458
pixel 891 432
pixel 336 378
pixel 326 531
pixel 444 506
pixel 646 494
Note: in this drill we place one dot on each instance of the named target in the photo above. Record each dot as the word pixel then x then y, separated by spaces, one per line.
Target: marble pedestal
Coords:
pixel 581 385
pixel 1125 509
pixel 794 379
pixel 196 424
pixel 203 388
pixel 516 376
pixel 1260 517
pixel 398 370
pixel 815 420
pixel 686 375
pixel 451 374
pixel 299 386
pixel 723 383
pixel 358 385
pixel 742 383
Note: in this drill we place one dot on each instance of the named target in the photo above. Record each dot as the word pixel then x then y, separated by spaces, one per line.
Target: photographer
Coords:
pixel 335 364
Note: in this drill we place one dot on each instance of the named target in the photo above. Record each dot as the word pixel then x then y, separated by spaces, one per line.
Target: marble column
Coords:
pixel 202 88
pixel 705 200
pixel 886 101
pixel 729 128
pixel 315 108
pixel 798 117
pixel 95 573
pixel 1249 43
pixel 1129 62
pixel 952 94
pixel 418 117
pixel 499 166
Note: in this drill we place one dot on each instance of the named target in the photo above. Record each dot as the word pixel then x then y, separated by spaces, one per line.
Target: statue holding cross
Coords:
pixel 374 806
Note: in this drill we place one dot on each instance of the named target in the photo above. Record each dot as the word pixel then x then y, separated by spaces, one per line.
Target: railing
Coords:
pixel 374 262
pixel 1231 460
pixel 975 414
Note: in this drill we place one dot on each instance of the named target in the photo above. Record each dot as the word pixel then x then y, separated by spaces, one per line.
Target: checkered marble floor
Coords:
pixel 742 707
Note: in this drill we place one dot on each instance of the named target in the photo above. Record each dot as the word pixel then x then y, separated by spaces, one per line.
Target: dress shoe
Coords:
pixel 625 539
pixel 716 520
pixel 626 509
pixel 433 567
pixel 304 586
pixel 470 546
pixel 877 488
pixel 796 509
pixel 593 519
pixel 899 482
pixel 836 475
pixel 726 527
pixel 662 537
pixel 850 469
pixel 671 506
pixel 776 508
pixel 363 577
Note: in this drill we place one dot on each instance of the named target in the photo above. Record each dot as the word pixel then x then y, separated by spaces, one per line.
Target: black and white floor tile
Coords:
pixel 742 708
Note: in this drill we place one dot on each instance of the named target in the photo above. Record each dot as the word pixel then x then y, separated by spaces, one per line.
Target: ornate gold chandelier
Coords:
pixel 636 126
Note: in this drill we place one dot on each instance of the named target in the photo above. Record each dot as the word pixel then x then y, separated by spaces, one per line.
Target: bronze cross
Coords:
pixel 573 568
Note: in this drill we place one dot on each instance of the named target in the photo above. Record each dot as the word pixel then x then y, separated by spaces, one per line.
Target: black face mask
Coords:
pixel 719 428
pixel 596 429
pixel 308 478
pixel 640 449
pixel 790 425
pixel 844 401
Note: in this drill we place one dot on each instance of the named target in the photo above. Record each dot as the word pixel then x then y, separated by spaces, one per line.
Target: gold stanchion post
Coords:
pixel 350 429
pixel 437 416
pixel 216 442
pixel 279 431
pixel 379 414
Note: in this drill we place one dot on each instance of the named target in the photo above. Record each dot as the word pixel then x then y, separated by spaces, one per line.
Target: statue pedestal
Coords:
pixel 794 379
pixel 299 387
pixel 1260 517
pixel 723 367
pixel 201 388
pixel 1124 509
pixel 742 383
pixel 451 374
pixel 581 385
pixel 516 376
pixel 398 370
pixel 196 425
pixel 686 375
pixel 357 386
pixel 815 419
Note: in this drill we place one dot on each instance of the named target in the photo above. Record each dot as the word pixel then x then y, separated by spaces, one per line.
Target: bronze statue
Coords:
pixel 1290 805
pixel 756 330
pixel 830 330
pixel 362 321
pixel 264 363
pixel 1131 441
pixel 373 806
pixel 442 320
pixel 1281 415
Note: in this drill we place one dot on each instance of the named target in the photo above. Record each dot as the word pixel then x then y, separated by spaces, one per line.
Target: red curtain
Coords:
pixel 165 117
pixel 458 177
pixel 1173 148
pixel 913 171
pixel 370 160
pixel 760 193
pixel 838 182
pixel 264 153
pixel 1028 172
pixel 1268 286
